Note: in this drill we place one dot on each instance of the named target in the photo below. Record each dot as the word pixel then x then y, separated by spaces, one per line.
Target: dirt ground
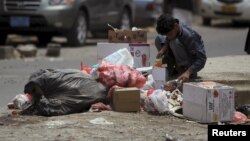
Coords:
pixel 99 126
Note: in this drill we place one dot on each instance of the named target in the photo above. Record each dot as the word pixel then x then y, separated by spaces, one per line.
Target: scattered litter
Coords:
pixel 101 121
pixel 98 107
pixel 53 124
pixel 171 138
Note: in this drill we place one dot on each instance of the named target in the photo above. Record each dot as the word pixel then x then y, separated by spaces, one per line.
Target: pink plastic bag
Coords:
pixel 239 117
pixel 120 75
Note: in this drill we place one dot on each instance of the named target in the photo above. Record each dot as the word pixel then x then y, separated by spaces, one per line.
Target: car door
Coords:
pixel 101 12
pixel 114 9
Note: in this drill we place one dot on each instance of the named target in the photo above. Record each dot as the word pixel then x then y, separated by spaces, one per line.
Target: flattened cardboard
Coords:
pixel 127 36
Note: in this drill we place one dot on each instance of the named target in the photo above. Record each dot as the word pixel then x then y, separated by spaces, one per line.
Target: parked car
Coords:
pixel 147 11
pixel 235 10
pixel 70 18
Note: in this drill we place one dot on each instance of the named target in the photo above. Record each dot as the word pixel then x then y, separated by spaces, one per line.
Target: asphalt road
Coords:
pixel 222 39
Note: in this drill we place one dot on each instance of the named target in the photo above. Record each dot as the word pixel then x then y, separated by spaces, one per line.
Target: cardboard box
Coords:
pixel 140 52
pixel 160 76
pixel 208 102
pixel 126 100
pixel 127 36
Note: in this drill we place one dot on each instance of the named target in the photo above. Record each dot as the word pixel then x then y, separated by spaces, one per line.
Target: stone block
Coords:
pixel 28 50
pixel 6 52
pixel 53 50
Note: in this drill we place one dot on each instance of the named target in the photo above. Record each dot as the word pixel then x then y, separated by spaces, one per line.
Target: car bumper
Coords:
pixel 54 18
pixel 217 10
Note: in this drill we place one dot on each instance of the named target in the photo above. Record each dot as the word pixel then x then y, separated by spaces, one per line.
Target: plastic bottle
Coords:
pixel 158 62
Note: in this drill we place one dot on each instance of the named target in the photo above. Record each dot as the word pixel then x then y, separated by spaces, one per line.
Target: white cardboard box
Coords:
pixel 208 102
pixel 140 52
pixel 159 75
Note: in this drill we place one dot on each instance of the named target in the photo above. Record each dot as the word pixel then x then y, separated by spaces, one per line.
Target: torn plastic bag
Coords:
pixel 63 91
pixel 120 75
pixel 155 102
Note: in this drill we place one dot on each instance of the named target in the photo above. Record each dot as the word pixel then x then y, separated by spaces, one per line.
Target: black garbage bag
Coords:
pixel 62 91
pixel 245 109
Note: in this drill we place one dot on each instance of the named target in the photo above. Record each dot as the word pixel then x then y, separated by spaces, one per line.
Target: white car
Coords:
pixel 235 10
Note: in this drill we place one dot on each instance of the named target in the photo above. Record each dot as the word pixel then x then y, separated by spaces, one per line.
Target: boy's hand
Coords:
pixel 162 51
pixel 159 54
pixel 185 76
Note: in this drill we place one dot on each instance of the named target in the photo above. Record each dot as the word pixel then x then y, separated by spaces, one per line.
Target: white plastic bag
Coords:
pixel 121 56
pixel 156 102
pixel 22 101
pixel 150 83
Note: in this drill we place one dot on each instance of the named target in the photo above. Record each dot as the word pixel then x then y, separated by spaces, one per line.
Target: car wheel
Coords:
pixel 206 21
pixel 125 21
pixel 3 37
pixel 78 33
pixel 44 39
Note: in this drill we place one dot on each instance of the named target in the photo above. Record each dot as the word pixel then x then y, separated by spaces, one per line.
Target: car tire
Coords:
pixel 126 20
pixel 3 37
pixel 206 21
pixel 44 39
pixel 78 33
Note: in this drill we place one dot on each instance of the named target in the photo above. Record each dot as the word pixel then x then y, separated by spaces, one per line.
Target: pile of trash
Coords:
pixel 54 92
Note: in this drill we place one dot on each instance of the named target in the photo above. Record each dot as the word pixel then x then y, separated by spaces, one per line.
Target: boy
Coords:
pixel 183 48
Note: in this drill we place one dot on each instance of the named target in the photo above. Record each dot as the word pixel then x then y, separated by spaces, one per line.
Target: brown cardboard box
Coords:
pixel 126 100
pixel 127 36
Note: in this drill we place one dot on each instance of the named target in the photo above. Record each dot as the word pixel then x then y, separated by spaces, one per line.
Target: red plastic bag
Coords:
pixel 84 68
pixel 120 75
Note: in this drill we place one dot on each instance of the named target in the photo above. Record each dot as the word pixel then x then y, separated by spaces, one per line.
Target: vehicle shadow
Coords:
pixel 229 24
